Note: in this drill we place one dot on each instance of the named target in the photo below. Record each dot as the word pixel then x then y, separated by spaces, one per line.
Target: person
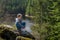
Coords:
pixel 19 23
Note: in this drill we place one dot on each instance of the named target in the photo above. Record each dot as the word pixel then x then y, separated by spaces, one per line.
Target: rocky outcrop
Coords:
pixel 9 34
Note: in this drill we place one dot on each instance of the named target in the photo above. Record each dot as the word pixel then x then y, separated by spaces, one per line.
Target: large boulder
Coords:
pixel 9 34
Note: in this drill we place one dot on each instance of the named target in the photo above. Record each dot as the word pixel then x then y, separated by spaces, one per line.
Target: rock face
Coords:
pixel 11 35
pixel 8 35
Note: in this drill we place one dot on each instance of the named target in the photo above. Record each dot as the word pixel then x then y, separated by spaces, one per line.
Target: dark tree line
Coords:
pixel 12 6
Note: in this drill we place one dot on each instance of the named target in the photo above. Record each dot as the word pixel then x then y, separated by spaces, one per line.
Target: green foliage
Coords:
pixel 47 18
pixel 15 4
pixel 12 6
pixel 53 32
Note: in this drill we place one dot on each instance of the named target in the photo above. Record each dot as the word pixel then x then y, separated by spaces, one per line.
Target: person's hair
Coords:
pixel 19 15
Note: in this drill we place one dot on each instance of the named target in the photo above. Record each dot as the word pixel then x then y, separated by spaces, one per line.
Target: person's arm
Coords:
pixel 16 20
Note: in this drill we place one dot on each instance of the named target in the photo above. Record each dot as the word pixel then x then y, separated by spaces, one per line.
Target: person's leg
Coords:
pixel 24 24
pixel 18 28
pixel 18 25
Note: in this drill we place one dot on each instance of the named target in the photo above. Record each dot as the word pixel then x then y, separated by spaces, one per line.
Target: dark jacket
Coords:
pixel 20 24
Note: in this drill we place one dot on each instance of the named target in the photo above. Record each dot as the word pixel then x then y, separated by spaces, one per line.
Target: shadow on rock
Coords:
pixel 11 35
